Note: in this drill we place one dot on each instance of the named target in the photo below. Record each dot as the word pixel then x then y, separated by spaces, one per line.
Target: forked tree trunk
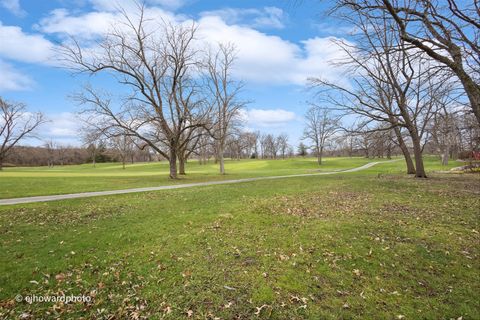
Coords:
pixel 406 154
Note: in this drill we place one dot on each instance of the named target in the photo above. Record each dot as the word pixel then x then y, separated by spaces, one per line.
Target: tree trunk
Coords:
pixel 220 158
pixel 406 154
pixel 445 155
pixel 1 164
pixel 181 165
pixel 222 163
pixel 473 92
pixel 319 155
pixel 417 151
pixel 173 163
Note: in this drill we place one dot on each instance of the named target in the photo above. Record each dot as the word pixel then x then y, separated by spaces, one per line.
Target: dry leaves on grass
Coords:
pixel 46 215
pixel 316 205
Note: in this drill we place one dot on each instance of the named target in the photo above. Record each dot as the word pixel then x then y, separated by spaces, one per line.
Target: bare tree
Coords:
pixel 158 67
pixel 391 83
pixel 446 30
pixel 15 124
pixel 282 141
pixel 51 147
pixel 224 91
pixel 123 146
pixel 321 125
pixel 62 153
pixel 93 141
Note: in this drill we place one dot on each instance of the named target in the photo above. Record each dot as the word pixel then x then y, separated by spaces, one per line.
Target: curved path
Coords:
pixel 178 186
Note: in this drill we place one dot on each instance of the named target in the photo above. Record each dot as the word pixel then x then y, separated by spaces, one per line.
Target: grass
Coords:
pixel 34 181
pixel 373 244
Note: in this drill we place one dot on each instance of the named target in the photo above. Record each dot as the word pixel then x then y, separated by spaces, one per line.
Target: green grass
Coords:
pixel 374 244
pixel 34 181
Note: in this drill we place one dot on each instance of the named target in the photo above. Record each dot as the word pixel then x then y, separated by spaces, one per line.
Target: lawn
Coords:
pixel 34 181
pixel 373 244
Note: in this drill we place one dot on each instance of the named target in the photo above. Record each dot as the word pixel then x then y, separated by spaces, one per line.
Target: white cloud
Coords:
pixel 92 25
pixel 267 117
pixel 87 26
pixel 64 125
pixel 267 17
pixel 14 7
pixel 20 46
pixel 13 80
pixel 262 58
pixel 270 59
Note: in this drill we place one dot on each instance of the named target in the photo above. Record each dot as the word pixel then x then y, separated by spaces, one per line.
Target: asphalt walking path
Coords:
pixel 170 187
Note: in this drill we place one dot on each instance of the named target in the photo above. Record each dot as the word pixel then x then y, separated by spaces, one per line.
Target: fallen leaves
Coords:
pixel 317 205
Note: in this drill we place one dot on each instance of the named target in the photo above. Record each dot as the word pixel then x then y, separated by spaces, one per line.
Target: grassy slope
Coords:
pixel 357 245
pixel 31 181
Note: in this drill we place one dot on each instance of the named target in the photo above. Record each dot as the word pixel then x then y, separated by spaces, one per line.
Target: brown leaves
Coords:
pixel 60 277
pixel 317 205
pixel 357 273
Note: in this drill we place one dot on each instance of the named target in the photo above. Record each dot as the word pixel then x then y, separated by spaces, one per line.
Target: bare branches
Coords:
pixel 16 124
pixel 159 64
pixel 321 125
pixel 447 31
pixel 224 93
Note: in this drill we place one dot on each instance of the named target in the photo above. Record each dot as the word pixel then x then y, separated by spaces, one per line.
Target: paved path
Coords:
pixel 169 187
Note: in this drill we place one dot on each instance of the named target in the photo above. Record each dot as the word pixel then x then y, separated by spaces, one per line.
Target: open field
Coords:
pixel 35 181
pixel 372 244
pixel 32 181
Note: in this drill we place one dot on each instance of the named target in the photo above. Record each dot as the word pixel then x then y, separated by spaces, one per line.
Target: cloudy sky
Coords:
pixel 280 44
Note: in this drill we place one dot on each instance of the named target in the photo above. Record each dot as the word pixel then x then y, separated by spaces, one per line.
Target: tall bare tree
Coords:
pixel 391 82
pixel 15 124
pixel 321 125
pixel 157 62
pixel 224 91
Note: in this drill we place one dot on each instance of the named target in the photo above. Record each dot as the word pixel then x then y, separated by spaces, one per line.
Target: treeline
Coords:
pixel 58 155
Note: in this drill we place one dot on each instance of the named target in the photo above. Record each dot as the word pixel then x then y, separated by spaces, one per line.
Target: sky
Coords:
pixel 280 44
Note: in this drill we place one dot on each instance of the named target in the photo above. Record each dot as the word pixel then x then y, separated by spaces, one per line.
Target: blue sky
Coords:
pixel 280 44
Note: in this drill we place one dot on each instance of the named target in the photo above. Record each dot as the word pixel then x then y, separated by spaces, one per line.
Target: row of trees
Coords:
pixel 448 135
